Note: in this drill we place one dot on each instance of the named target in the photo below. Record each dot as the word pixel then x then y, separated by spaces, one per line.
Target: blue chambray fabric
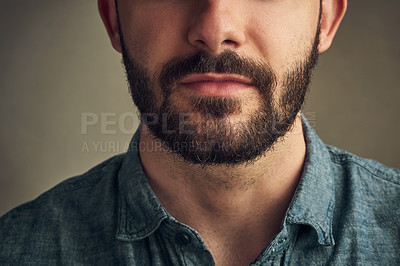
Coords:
pixel 345 212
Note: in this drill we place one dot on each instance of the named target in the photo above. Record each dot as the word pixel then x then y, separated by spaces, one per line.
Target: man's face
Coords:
pixel 219 82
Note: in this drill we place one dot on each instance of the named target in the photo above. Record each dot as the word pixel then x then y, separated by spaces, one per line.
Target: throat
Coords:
pixel 234 233
pixel 236 210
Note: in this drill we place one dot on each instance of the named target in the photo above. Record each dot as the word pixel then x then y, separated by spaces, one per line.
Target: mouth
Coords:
pixel 216 84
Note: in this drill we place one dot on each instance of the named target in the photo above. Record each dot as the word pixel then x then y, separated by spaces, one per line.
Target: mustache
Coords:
pixel 230 62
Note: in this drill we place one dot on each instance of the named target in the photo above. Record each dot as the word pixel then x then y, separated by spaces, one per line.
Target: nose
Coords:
pixel 216 26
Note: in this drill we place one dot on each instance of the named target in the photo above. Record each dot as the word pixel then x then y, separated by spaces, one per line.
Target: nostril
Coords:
pixel 228 42
pixel 201 44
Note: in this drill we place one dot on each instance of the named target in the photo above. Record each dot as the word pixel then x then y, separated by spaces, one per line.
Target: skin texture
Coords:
pixel 229 205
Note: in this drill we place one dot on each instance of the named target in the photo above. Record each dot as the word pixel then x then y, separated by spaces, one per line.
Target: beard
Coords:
pixel 213 138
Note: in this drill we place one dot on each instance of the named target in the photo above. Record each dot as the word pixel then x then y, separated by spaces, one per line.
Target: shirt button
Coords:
pixel 182 239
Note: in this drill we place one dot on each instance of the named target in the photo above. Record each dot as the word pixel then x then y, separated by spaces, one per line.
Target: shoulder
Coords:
pixel 366 205
pixel 47 220
pixel 83 187
pixel 370 185
pixel 352 166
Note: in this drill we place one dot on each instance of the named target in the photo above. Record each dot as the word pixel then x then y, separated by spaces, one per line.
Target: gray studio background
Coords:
pixel 58 71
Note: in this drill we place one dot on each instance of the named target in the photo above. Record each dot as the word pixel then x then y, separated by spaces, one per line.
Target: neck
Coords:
pixel 254 196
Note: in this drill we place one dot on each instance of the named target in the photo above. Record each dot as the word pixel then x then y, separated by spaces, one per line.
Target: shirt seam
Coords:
pixel 182 255
pixel 85 180
pixel 82 182
pixel 339 159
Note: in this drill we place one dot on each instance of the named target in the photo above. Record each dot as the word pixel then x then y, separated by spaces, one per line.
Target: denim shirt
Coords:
pixel 345 211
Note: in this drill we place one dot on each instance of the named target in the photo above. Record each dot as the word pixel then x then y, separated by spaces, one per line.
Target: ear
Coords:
pixel 108 14
pixel 331 16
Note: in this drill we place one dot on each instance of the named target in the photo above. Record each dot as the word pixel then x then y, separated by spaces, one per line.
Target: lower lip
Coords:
pixel 217 88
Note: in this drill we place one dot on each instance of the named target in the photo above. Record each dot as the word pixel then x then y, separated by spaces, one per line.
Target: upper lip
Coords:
pixel 216 77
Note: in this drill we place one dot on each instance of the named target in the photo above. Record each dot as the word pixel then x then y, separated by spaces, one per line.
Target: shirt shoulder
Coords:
pixel 363 224
pixel 355 166
pixel 366 213
pixel 80 204
pixel 372 186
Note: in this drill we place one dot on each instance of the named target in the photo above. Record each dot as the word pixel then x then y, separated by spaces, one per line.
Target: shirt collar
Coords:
pixel 314 200
pixel 140 212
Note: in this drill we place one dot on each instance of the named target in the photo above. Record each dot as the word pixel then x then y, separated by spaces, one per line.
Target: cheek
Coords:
pixel 152 38
pixel 284 34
